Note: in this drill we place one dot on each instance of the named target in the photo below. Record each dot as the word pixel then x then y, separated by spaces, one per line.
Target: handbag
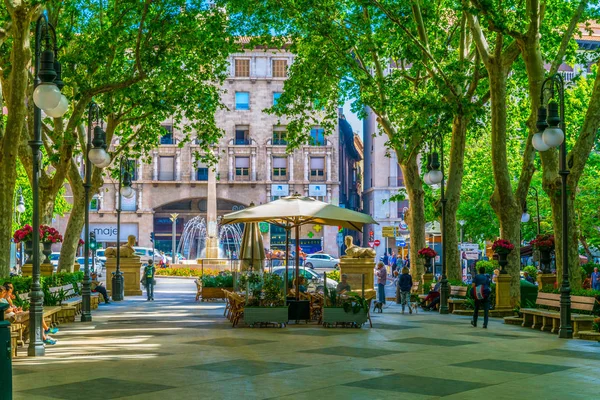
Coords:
pixel 480 292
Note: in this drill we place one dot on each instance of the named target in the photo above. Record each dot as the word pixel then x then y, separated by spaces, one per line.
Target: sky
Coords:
pixel 355 123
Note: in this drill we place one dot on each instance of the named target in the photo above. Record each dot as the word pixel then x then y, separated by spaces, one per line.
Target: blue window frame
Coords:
pixel 317 137
pixel 242 100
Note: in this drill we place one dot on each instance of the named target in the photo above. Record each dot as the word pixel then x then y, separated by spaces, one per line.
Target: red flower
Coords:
pixel 427 252
pixel 502 246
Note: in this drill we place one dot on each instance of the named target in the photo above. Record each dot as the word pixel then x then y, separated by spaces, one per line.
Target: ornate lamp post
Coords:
pixel 551 126
pixel 46 96
pixel 125 190
pixel 435 176
pixel 100 158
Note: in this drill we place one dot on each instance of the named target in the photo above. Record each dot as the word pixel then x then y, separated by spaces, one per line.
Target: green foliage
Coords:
pixel 490 266
pixel 335 275
pixel 22 284
pixel 589 268
pixel 271 288
pixel 221 280
pixel 532 271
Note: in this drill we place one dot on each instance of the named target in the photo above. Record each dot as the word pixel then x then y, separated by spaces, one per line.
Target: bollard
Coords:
pixel 5 356
pixel 118 286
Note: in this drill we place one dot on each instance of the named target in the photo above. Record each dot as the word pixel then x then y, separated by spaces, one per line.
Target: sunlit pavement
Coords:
pixel 175 348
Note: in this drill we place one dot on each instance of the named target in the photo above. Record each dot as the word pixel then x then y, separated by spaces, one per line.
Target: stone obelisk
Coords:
pixel 212 239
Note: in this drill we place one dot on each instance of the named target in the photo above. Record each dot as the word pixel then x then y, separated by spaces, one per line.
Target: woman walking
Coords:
pixel 481 295
pixel 405 284
pixel 381 273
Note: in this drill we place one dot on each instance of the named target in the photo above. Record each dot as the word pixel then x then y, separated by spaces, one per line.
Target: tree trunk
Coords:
pixel 503 200
pixel 416 215
pixel 573 240
pixel 75 224
pixel 14 93
pixel 453 189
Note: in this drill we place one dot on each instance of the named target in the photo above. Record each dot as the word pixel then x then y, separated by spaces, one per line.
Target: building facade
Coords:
pixel 253 166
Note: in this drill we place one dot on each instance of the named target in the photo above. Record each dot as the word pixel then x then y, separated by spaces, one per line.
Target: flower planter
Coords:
pixel 337 315
pixel 545 260
pixel 503 261
pixel 257 315
pixel 214 292
pixel 47 251
pixel 29 251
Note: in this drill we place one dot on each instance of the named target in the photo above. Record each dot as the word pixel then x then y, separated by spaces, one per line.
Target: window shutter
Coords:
pixel 279 162
pixel 166 169
pixel 317 163
pixel 242 162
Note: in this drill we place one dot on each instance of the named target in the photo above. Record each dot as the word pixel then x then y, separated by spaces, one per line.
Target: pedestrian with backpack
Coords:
pixel 481 294
pixel 149 279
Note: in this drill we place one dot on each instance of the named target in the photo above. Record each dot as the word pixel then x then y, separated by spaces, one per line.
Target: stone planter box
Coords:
pixel 275 315
pixel 337 315
pixel 214 293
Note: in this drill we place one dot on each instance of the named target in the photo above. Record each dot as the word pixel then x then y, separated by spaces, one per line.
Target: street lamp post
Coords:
pixel 125 190
pixel 551 133
pixel 434 177
pixel 46 96
pixel 98 156
pixel 173 238
pixel 19 209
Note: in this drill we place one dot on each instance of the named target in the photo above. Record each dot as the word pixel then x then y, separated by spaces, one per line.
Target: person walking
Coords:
pixel 596 279
pixel 405 284
pixel 481 295
pixel 393 263
pixel 149 279
pixel 381 273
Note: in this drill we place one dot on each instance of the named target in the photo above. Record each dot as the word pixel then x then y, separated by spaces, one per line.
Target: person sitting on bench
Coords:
pixel 433 297
pixel 98 287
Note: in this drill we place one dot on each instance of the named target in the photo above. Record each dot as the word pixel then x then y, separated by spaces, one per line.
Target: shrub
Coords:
pixel 589 268
pixel 532 271
pixel 223 279
pixel 489 266
pixel 335 275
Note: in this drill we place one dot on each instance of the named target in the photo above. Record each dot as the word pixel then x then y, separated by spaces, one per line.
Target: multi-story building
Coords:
pixel 350 157
pixel 382 179
pixel 253 166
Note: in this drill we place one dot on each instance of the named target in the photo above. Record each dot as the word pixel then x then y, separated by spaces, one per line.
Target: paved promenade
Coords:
pixel 175 348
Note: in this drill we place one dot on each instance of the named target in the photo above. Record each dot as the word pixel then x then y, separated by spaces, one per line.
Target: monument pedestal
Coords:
pixel 544 280
pixel 503 306
pixel 45 270
pixel 425 278
pixel 130 268
pixel 355 268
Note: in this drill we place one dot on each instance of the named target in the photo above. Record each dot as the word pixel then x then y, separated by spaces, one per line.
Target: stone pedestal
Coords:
pixel 45 270
pixel 355 268
pixel 77 267
pixel 503 295
pixel 545 280
pixel 130 268
pixel 425 278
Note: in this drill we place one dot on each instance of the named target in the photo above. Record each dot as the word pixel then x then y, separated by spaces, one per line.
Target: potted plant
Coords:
pixel 48 237
pixel 502 247
pixel 545 245
pixel 267 304
pixel 213 285
pixel 25 235
pixel 350 309
pixel 428 254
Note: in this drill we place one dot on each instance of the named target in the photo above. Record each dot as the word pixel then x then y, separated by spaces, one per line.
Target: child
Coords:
pixel 405 284
pixel 149 279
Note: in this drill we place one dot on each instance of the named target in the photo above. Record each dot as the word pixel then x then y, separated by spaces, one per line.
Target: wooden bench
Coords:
pixel 458 296
pixel 549 320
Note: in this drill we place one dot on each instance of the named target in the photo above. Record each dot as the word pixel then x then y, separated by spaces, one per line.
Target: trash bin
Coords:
pixel 5 356
pixel 529 293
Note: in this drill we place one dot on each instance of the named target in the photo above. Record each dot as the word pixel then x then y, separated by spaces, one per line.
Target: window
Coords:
pixel 279 68
pixel 317 168
pixel 242 100
pixel 242 68
pixel 166 170
pixel 276 96
pixel 95 203
pixel 129 204
pixel 242 135
pixel 279 136
pixel 279 168
pixel 202 174
pixel 167 137
pixel 317 137
pixel 131 168
pixel 242 168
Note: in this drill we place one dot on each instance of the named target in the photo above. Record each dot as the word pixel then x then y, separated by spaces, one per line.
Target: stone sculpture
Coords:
pixel 126 251
pixel 354 251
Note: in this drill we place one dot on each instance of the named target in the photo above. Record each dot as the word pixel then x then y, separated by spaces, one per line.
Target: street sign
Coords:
pixel 371 244
pixel 376 242
pixel 340 239
pixel 400 242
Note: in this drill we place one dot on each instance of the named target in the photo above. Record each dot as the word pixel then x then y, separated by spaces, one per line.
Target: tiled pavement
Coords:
pixel 175 348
